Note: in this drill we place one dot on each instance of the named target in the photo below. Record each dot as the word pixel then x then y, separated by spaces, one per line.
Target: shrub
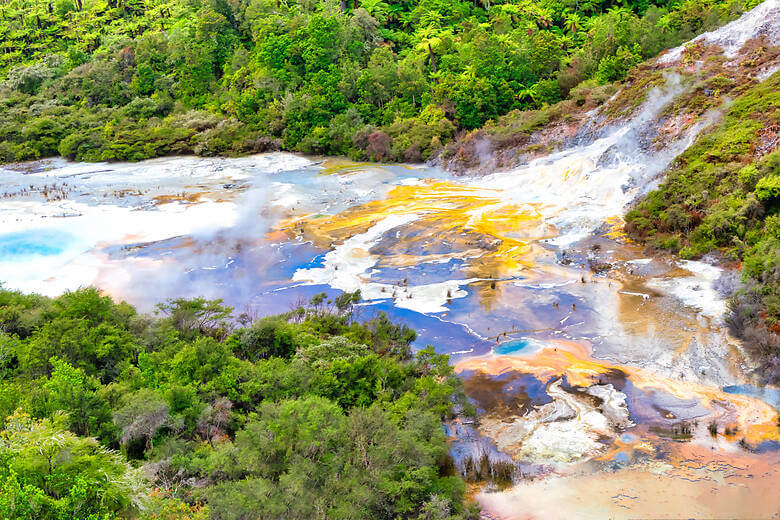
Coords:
pixel 768 188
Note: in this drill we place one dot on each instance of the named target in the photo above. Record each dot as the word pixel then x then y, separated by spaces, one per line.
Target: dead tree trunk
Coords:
pixel 432 57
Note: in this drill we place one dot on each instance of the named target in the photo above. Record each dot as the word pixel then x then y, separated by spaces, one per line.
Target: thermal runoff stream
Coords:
pixel 599 372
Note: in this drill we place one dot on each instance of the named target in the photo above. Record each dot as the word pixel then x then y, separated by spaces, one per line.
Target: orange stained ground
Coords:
pixel 756 420
pixel 493 235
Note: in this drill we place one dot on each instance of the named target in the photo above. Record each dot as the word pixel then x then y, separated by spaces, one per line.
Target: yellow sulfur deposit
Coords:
pixel 473 223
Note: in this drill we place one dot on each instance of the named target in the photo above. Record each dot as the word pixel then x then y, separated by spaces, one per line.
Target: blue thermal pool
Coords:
pixel 24 244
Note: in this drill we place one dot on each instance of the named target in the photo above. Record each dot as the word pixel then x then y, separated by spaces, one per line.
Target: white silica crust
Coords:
pixel 698 290
pixel 761 20
pixel 348 267
pixel 566 430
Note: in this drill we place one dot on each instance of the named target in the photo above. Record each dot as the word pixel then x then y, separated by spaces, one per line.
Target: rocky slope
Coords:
pixel 700 128
pixel 710 70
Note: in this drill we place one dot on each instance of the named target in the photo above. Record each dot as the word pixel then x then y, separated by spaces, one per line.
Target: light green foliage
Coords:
pixel 127 80
pixel 748 175
pixel 768 188
pixel 87 330
pixel 613 68
pixel 49 473
pixel 71 390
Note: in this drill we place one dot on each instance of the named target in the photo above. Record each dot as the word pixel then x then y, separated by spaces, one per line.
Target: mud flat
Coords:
pixel 700 487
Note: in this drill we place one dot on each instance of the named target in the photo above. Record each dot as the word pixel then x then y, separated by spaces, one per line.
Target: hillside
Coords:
pixel 127 80
pixel 723 195
pixel 718 198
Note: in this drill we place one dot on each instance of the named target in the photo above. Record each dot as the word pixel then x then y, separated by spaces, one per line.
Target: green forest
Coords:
pixel 99 80
pixel 304 415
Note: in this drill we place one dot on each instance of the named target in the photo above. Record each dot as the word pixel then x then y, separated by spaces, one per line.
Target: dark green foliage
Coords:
pixel 307 414
pixel 268 337
pixel 106 80
pixel 362 459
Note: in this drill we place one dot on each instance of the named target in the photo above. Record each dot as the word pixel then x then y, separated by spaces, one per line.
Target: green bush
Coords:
pixel 309 411
pixel 768 188
pixel 614 68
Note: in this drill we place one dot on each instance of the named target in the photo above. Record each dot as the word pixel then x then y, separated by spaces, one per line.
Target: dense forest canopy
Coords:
pixel 110 414
pixel 132 79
